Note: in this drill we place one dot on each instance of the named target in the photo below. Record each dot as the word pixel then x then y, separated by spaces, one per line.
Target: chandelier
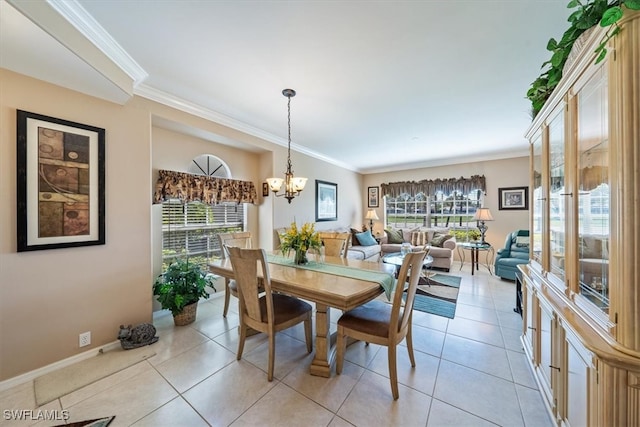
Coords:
pixel 292 185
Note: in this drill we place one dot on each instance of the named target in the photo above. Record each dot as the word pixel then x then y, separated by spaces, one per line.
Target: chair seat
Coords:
pixel 371 318
pixel 284 308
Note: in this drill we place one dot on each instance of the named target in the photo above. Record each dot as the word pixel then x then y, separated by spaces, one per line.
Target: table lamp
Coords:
pixel 371 215
pixel 482 215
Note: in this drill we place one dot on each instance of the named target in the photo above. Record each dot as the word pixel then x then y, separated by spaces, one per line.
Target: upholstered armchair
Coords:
pixel 515 252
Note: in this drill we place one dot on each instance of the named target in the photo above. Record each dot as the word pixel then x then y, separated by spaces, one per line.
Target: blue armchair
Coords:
pixel 515 252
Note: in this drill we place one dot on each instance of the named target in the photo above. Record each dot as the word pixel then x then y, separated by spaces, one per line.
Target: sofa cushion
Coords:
pixel 512 262
pixel 364 252
pixel 366 239
pixel 393 236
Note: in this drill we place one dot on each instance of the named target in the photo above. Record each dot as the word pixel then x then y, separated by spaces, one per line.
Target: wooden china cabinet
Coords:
pixel 581 289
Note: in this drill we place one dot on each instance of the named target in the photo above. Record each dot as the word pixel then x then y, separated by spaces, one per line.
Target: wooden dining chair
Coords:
pixel 335 244
pixel 241 239
pixel 385 324
pixel 265 311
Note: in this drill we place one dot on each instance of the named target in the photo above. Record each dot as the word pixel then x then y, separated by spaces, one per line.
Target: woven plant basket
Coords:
pixel 188 315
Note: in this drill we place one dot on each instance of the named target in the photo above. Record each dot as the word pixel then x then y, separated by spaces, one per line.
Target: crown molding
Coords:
pixel 71 25
pixel 510 154
pixel 77 16
pixel 178 103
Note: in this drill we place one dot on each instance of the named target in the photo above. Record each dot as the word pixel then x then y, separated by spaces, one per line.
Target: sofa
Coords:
pixel 440 243
pixel 356 250
pixel 514 253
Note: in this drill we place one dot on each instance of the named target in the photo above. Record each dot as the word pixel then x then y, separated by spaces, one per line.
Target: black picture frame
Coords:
pixel 513 198
pixel 265 189
pixel 60 183
pixel 373 197
pixel 326 201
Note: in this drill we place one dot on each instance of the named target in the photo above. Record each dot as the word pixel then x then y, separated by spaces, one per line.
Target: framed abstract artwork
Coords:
pixel 61 183
pixel 326 201
pixel 513 198
pixel 373 197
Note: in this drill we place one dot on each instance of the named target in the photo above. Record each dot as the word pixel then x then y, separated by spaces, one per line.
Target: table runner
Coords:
pixel 386 280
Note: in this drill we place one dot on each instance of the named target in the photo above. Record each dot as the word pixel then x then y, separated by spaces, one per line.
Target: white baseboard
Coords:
pixel 32 375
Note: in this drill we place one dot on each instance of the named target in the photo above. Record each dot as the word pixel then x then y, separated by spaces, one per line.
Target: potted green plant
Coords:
pixel 180 288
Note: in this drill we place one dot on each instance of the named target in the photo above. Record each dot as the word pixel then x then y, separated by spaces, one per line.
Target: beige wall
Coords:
pixel 498 173
pixel 302 208
pixel 48 297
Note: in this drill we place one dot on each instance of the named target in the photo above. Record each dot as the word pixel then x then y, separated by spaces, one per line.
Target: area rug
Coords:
pixel 73 377
pixel 438 295
pixel 98 422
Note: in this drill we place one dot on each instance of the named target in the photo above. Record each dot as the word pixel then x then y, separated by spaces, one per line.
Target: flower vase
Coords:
pixel 300 257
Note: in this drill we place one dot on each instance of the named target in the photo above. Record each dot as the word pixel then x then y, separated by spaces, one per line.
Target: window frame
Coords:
pixel 457 206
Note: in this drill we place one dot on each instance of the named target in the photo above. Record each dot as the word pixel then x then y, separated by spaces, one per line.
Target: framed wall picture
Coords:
pixel 61 179
pixel 513 198
pixel 373 197
pixel 265 189
pixel 326 201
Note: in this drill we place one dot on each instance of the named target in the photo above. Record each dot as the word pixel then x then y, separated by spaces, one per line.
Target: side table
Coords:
pixel 475 248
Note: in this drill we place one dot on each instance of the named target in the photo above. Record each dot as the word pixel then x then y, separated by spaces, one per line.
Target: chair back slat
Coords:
pixel 408 278
pixel 245 264
pixel 241 239
pixel 335 244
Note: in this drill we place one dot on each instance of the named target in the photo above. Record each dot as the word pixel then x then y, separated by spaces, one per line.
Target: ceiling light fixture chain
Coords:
pixel 292 185
pixel 289 95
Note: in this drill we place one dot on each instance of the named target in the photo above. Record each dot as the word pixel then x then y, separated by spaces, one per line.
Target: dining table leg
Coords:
pixel 321 364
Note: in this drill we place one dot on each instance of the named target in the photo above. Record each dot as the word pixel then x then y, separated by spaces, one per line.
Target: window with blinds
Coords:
pixel 190 229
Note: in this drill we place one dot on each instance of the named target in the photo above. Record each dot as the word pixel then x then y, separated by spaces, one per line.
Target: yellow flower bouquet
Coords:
pixel 300 241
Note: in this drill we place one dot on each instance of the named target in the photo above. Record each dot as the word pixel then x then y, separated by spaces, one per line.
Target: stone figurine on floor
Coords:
pixel 138 336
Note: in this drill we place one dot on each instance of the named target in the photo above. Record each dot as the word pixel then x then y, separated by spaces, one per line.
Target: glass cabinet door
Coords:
pixel 557 195
pixel 593 190
pixel 537 200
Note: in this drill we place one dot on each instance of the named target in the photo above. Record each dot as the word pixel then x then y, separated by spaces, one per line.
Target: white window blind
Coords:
pixel 191 229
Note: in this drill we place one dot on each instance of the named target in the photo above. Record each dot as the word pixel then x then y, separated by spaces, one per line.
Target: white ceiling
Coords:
pixel 382 85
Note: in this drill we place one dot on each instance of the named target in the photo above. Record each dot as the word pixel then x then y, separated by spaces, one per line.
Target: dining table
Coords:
pixel 328 282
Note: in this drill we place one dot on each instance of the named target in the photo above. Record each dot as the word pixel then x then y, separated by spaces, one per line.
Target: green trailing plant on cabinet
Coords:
pixel 587 14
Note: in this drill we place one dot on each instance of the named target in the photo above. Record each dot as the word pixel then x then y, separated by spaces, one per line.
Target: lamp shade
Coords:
pixel 483 214
pixel 372 215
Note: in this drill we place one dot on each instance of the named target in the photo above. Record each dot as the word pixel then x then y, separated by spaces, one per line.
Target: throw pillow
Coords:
pixel 522 241
pixel 418 238
pixel 439 239
pixel 366 238
pixel 407 232
pixel 354 239
pixel 394 236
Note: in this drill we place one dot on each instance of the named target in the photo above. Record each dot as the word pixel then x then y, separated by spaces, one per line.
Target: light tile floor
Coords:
pixel 470 371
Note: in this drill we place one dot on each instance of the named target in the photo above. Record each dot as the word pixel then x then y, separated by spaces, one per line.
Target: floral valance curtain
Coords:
pixel 205 189
pixel 430 187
